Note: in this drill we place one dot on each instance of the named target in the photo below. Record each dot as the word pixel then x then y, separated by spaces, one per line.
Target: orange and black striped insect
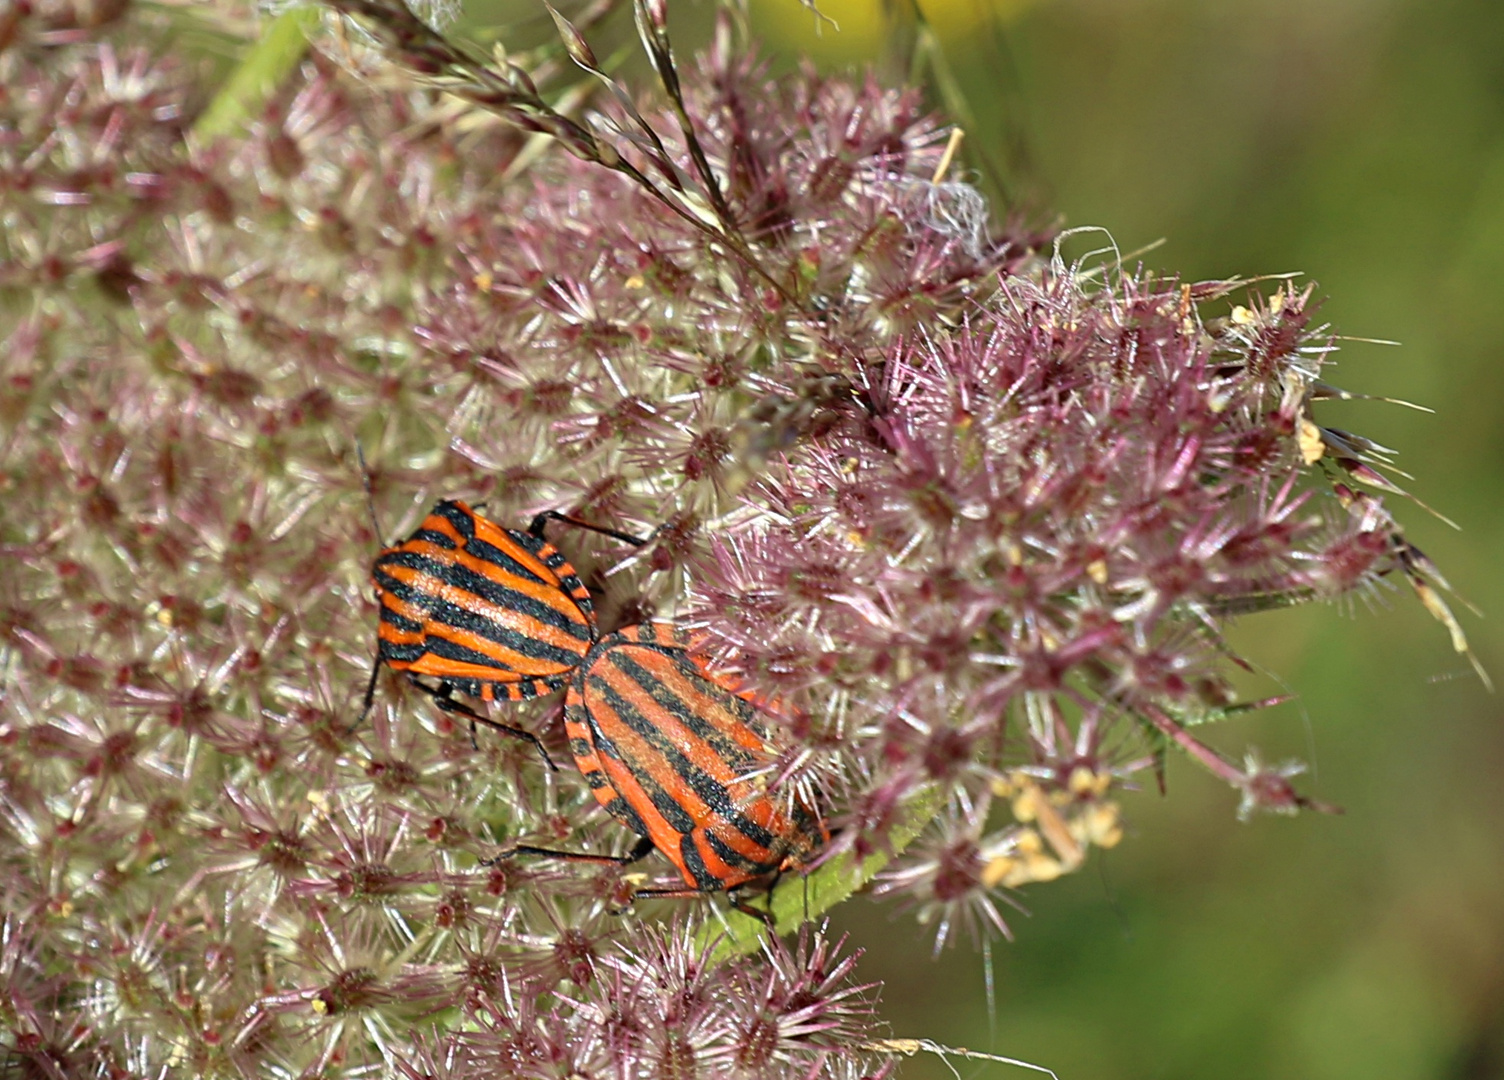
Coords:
pixel 489 612
pixel 676 753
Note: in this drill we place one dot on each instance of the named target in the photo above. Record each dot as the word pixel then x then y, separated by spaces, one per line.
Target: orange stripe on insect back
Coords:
pixel 440 668
pixel 387 633
pixel 392 636
pixel 505 617
pixel 506 660
pixel 710 758
pixel 737 841
pixel 589 762
pixel 641 759
pixel 747 796
pixel 700 753
pixel 719 868
pixel 398 606
pixel 497 537
pixel 551 593
pixel 683 672
pixel 727 712
pixel 440 524
pixel 623 776
pixel 523 624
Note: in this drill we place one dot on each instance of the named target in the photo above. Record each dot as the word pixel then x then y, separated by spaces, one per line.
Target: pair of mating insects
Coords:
pixel 670 748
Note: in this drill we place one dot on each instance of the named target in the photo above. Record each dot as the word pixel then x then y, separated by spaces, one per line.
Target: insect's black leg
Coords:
pixel 536 528
pixel 441 697
pixel 640 850
pixel 736 902
pixel 444 699
pixel 644 846
pixel 764 917
pixel 370 698
pixel 777 877
pixel 732 897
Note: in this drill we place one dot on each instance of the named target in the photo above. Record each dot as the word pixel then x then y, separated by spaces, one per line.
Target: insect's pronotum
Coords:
pixel 489 612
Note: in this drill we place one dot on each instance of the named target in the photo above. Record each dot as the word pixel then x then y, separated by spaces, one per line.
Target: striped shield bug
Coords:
pixel 489 612
pixel 674 751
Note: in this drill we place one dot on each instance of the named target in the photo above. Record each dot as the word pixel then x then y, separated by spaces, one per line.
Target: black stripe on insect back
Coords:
pixel 446 614
pixel 709 790
pixel 668 807
pixel 435 537
pixel 400 651
pixel 444 611
pixel 695 864
pixel 623 812
pixel 476 584
pixel 674 761
pixel 400 639
pixel 437 644
pixel 737 859
pixel 445 649
pixel 400 622
pixel 462 520
pixel 502 596
pixel 497 557
pixel 736 756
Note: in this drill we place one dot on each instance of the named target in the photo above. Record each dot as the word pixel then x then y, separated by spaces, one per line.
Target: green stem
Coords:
pixel 259 73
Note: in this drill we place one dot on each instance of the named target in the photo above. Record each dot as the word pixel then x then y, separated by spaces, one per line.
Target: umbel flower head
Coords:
pixel 968 516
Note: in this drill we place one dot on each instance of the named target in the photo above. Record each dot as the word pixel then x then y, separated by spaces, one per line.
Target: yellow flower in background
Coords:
pixel 854 31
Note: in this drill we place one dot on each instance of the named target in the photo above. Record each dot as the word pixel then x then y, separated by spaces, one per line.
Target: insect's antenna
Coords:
pixel 365 478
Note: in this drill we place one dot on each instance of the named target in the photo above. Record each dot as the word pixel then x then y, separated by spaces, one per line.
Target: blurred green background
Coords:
pixel 1362 143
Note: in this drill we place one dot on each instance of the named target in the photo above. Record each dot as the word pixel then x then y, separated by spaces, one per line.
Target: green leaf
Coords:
pixel 795 901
